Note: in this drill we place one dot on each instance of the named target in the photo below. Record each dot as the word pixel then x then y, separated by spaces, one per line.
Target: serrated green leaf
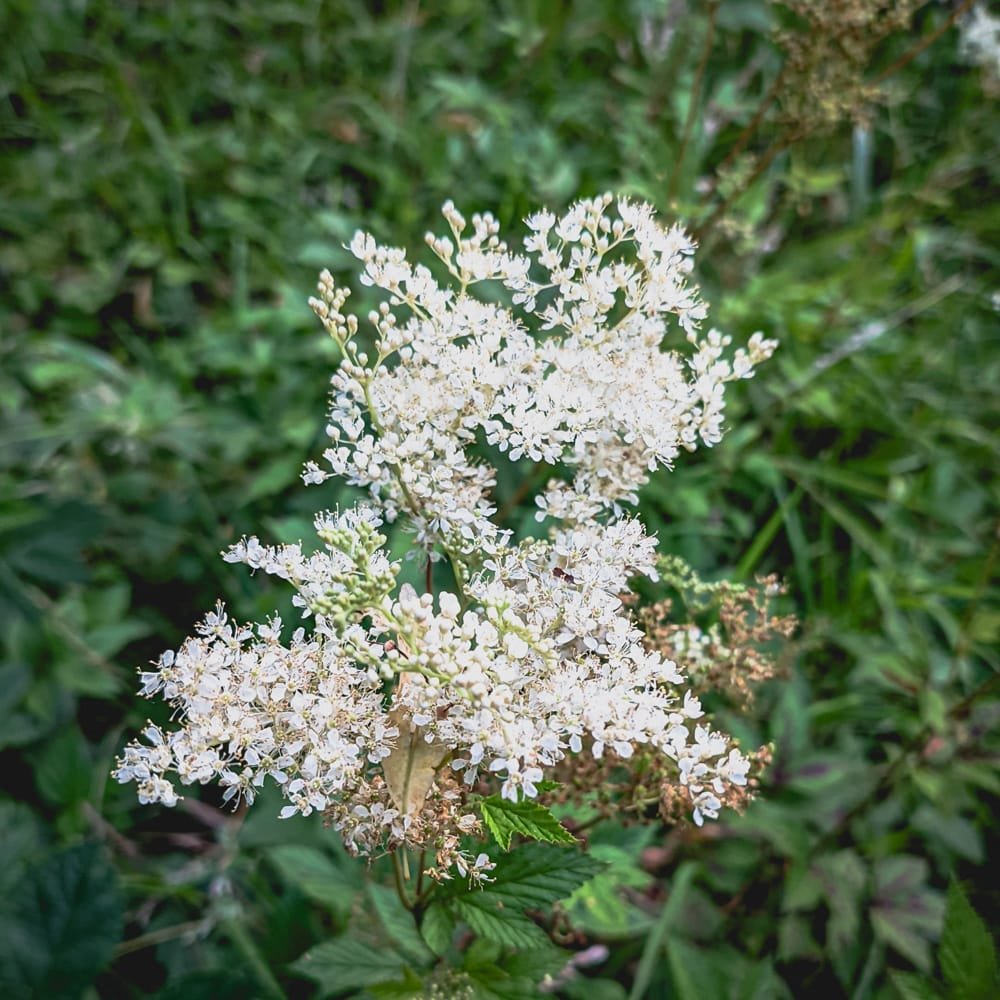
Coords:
pixel 512 976
pixel 532 877
pixel 505 819
pixel 346 964
pixel 489 918
pixel 536 963
pixel 546 785
pixel 494 983
pixel 537 875
pixel 399 924
pixel 967 954
pixel 60 924
pixel 481 952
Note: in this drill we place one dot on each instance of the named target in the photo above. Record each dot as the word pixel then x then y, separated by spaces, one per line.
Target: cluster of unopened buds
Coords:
pixel 390 711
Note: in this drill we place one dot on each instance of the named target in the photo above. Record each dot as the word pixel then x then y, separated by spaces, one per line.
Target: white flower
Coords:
pixel 980 33
pixel 533 654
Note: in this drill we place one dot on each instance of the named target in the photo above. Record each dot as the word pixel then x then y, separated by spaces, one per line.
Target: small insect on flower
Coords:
pixel 391 646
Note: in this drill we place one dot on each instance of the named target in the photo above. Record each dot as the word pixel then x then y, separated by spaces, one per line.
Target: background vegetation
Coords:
pixel 174 175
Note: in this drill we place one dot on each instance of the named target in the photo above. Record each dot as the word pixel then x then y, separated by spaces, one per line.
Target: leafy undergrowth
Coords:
pixel 174 176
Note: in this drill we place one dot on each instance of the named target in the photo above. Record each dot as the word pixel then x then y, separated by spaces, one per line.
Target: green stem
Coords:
pixel 397 471
pixel 240 937
pixel 422 863
pixel 159 936
pixel 420 903
pixel 397 871
pixel 658 936
pixel 695 101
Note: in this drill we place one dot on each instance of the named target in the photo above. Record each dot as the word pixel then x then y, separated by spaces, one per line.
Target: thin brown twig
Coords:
pixel 751 126
pixel 214 819
pixel 773 152
pixel 107 832
pixel 907 57
pixel 695 100
pixel 158 936
pixel 44 603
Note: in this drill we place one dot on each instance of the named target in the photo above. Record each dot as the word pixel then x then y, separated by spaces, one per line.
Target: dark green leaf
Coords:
pixel 59 924
pixel 594 989
pixel 696 973
pixel 967 953
pixel 438 928
pixel 344 964
pixel 843 877
pixel 531 878
pixel 399 924
pixel 316 874
pixel 893 927
pixel 22 838
pixel 411 985
pixel 63 768
pixel 906 914
pixel 223 984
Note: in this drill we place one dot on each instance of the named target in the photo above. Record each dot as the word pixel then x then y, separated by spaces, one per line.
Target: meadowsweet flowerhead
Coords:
pixel 390 710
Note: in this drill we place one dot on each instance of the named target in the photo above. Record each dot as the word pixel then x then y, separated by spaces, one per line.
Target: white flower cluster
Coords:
pixel 549 663
pixel 590 389
pixel 980 40
pixel 302 714
pixel 396 704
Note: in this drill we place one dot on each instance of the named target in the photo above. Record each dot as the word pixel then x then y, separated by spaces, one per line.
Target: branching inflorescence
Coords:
pixel 393 709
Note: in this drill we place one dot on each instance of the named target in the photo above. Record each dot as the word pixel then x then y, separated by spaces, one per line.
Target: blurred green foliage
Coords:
pixel 173 176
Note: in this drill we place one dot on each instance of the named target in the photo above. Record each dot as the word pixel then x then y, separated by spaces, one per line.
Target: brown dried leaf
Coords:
pixel 411 766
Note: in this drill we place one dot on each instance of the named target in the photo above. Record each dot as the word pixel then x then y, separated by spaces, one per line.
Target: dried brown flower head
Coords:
pixel 828 47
